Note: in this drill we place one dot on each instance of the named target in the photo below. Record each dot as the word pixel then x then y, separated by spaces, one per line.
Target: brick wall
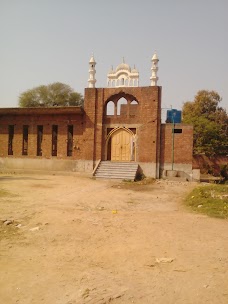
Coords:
pixel 33 118
pixel 144 117
pixel 91 127
pixel 183 144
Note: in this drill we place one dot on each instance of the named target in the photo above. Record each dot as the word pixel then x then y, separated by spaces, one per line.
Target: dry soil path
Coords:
pixel 83 241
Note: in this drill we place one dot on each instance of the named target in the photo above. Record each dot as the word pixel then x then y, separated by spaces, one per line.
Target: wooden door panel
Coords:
pixel 125 155
pixel 115 147
pixel 121 146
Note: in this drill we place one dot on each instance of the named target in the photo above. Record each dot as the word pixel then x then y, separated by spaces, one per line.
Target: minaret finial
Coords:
pixel 154 78
pixel 92 72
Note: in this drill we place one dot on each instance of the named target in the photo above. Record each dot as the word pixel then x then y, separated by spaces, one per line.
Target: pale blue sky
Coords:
pixel 45 41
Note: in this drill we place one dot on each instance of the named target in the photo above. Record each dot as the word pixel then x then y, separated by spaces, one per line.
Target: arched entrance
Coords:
pixel 121 145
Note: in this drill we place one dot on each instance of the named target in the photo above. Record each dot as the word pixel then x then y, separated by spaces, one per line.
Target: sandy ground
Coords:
pixel 96 241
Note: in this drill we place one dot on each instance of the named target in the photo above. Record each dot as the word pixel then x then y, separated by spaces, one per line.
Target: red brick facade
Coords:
pixel 92 129
pixel 62 117
pixel 176 146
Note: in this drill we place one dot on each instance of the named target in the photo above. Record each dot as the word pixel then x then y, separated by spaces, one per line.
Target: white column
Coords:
pixel 92 72
pixel 154 78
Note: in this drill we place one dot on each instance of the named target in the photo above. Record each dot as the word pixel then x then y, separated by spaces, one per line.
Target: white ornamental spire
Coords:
pixel 92 72
pixel 154 78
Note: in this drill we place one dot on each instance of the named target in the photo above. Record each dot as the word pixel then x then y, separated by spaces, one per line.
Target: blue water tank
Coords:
pixel 173 116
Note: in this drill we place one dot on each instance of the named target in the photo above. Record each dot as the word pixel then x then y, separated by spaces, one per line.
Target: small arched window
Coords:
pixel 110 108
pixel 120 109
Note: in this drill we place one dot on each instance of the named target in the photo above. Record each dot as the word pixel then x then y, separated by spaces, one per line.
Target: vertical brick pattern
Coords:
pixel 33 120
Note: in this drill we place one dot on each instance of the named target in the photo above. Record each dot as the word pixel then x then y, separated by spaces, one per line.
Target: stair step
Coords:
pixel 121 175
pixel 116 170
pixel 118 166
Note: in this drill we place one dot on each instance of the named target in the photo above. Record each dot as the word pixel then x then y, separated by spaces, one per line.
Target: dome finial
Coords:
pixel 123 60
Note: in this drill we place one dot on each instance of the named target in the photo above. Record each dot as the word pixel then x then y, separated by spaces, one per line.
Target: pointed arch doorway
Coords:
pixel 121 145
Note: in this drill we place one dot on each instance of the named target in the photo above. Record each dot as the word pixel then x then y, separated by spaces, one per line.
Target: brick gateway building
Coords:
pixel 120 123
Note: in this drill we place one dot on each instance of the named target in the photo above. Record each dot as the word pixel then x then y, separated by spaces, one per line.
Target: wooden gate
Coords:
pixel 121 146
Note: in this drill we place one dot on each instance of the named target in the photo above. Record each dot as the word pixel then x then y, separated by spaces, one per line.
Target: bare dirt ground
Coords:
pixel 97 241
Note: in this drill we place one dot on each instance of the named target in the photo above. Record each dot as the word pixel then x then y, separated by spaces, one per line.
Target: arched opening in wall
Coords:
pixel 122 106
pixel 120 145
pixel 110 108
pixel 133 109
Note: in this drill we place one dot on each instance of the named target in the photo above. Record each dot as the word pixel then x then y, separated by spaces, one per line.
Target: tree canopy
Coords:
pixel 55 94
pixel 210 123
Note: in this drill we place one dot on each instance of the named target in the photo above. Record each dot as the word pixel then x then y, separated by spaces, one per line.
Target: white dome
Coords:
pixel 123 76
pixel 123 66
pixel 134 70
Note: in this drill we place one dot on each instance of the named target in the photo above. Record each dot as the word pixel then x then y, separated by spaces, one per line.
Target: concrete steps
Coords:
pixel 116 170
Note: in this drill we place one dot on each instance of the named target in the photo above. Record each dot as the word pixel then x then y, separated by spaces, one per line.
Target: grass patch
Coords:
pixel 143 185
pixel 211 200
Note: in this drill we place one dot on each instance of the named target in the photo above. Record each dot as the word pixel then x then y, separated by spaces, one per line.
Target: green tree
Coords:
pixel 210 123
pixel 55 94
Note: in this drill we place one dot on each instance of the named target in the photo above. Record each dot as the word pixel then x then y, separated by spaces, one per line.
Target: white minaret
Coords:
pixel 154 78
pixel 92 72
